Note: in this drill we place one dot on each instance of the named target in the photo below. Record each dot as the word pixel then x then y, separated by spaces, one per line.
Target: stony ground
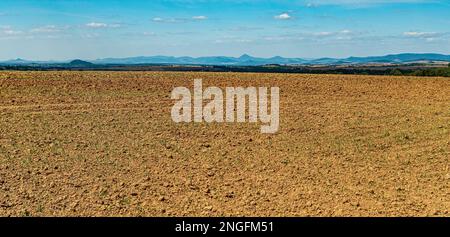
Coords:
pixel 103 144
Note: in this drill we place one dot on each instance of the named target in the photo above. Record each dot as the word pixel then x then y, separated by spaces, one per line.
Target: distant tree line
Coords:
pixel 425 72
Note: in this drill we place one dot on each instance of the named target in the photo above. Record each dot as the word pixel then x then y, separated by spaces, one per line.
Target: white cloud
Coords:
pixel 343 34
pixel 43 32
pixel 46 29
pixel 169 20
pixel 96 25
pixel 232 39
pixel 417 34
pixel 12 32
pixel 179 20
pixel 283 16
pixel 199 18
pixel 323 34
pixel 428 36
pixel 100 25
pixel 277 38
pixel 158 19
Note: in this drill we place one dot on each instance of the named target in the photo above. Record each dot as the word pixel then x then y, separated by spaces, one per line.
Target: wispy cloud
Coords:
pixel 283 16
pixel 7 30
pixel 46 29
pixel 428 36
pixel 96 25
pixel 158 19
pixel 179 20
pixel 323 34
pixel 12 32
pixel 138 34
pixel 90 35
pixel 99 25
pixel 199 18
pixel 169 20
pixel 232 39
pixel 43 32
pixel 416 34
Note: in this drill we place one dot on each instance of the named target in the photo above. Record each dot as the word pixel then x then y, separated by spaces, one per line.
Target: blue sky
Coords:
pixel 90 29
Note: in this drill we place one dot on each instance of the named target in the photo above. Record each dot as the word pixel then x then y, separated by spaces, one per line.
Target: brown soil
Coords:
pixel 104 144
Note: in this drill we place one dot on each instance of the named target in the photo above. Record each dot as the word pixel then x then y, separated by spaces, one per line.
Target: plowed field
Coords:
pixel 104 144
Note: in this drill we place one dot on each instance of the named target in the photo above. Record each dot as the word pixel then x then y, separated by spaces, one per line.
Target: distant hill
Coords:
pixel 247 60
pixel 17 61
pixel 80 63
pixel 23 62
pixel 244 60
